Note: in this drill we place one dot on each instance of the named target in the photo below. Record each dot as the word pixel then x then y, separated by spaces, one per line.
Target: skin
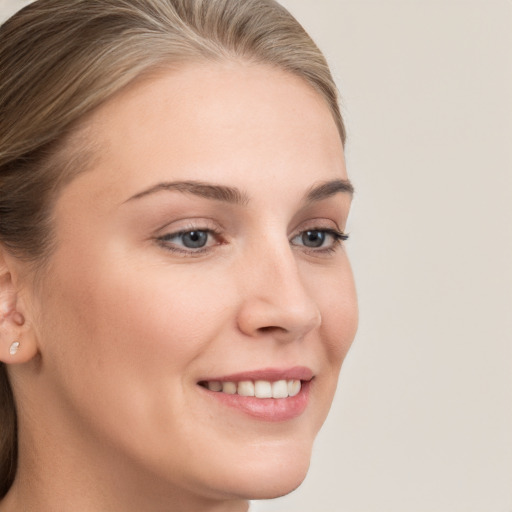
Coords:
pixel 122 325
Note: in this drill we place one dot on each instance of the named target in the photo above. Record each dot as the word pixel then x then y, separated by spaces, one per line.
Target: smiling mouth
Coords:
pixel 256 388
pixel 267 394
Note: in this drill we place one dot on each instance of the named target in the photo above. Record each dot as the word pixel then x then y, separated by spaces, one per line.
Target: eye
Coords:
pixel 313 238
pixel 188 241
pixel 194 239
pixel 326 239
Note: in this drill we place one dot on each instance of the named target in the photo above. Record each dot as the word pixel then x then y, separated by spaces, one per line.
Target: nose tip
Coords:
pixel 280 307
pixel 280 320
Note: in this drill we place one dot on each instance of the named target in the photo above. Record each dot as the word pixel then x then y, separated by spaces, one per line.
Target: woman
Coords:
pixel 176 299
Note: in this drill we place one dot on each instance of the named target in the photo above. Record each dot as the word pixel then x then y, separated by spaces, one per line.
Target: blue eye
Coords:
pixel 193 239
pixel 326 239
pixel 198 241
pixel 313 238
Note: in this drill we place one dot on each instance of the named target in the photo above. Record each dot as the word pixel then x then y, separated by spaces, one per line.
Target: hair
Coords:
pixel 61 60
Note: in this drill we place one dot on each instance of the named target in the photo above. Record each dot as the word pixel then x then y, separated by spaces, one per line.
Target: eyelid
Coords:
pixel 319 224
pixel 341 235
pixel 189 224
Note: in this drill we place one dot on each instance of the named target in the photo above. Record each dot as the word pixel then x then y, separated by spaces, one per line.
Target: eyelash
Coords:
pixel 165 240
pixel 337 238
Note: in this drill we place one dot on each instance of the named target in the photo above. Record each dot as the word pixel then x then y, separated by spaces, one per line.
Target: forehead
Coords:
pixel 226 121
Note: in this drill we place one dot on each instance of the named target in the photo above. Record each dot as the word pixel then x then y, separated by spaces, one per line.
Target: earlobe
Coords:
pixel 13 350
pixel 17 344
pixel 17 351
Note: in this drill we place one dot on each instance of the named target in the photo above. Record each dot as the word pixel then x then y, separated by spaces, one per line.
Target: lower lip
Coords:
pixel 266 409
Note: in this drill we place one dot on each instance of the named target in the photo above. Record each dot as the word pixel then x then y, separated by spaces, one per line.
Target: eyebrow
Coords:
pixel 235 196
pixel 198 188
pixel 329 189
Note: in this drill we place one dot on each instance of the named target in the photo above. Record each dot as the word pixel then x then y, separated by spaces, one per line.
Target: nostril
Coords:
pixel 271 329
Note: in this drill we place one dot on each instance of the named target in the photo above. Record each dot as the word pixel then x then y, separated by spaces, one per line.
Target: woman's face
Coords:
pixel 202 249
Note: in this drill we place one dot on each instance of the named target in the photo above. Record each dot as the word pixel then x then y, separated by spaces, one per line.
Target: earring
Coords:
pixel 14 348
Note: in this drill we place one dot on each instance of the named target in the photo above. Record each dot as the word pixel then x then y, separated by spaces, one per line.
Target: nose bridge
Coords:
pixel 276 298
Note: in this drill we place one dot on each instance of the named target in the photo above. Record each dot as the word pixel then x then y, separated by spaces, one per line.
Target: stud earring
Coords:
pixel 14 348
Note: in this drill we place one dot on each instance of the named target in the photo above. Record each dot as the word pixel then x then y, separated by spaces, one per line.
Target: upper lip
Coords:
pixel 270 374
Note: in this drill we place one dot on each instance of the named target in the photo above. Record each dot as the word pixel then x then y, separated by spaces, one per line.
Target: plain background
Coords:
pixel 422 421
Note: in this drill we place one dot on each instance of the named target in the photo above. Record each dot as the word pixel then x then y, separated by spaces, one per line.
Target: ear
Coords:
pixel 17 340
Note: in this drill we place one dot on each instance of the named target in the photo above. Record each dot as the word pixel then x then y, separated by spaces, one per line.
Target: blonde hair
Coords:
pixel 60 60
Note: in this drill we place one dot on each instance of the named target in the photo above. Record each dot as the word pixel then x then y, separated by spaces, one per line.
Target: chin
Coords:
pixel 281 486
pixel 273 476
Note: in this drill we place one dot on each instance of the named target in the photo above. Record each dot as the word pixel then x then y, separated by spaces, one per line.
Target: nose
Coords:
pixel 276 302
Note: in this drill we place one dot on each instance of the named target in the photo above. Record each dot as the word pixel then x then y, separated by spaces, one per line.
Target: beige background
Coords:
pixel 423 418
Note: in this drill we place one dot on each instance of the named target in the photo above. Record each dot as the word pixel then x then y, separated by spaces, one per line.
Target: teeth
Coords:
pixel 263 389
pixel 215 385
pixel 246 388
pixel 259 388
pixel 280 389
pixel 293 387
pixel 229 388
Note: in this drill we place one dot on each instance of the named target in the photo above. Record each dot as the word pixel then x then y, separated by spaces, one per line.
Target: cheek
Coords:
pixel 341 326
pixel 338 306
pixel 145 317
pixel 337 302
pixel 125 330
pixel 121 347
